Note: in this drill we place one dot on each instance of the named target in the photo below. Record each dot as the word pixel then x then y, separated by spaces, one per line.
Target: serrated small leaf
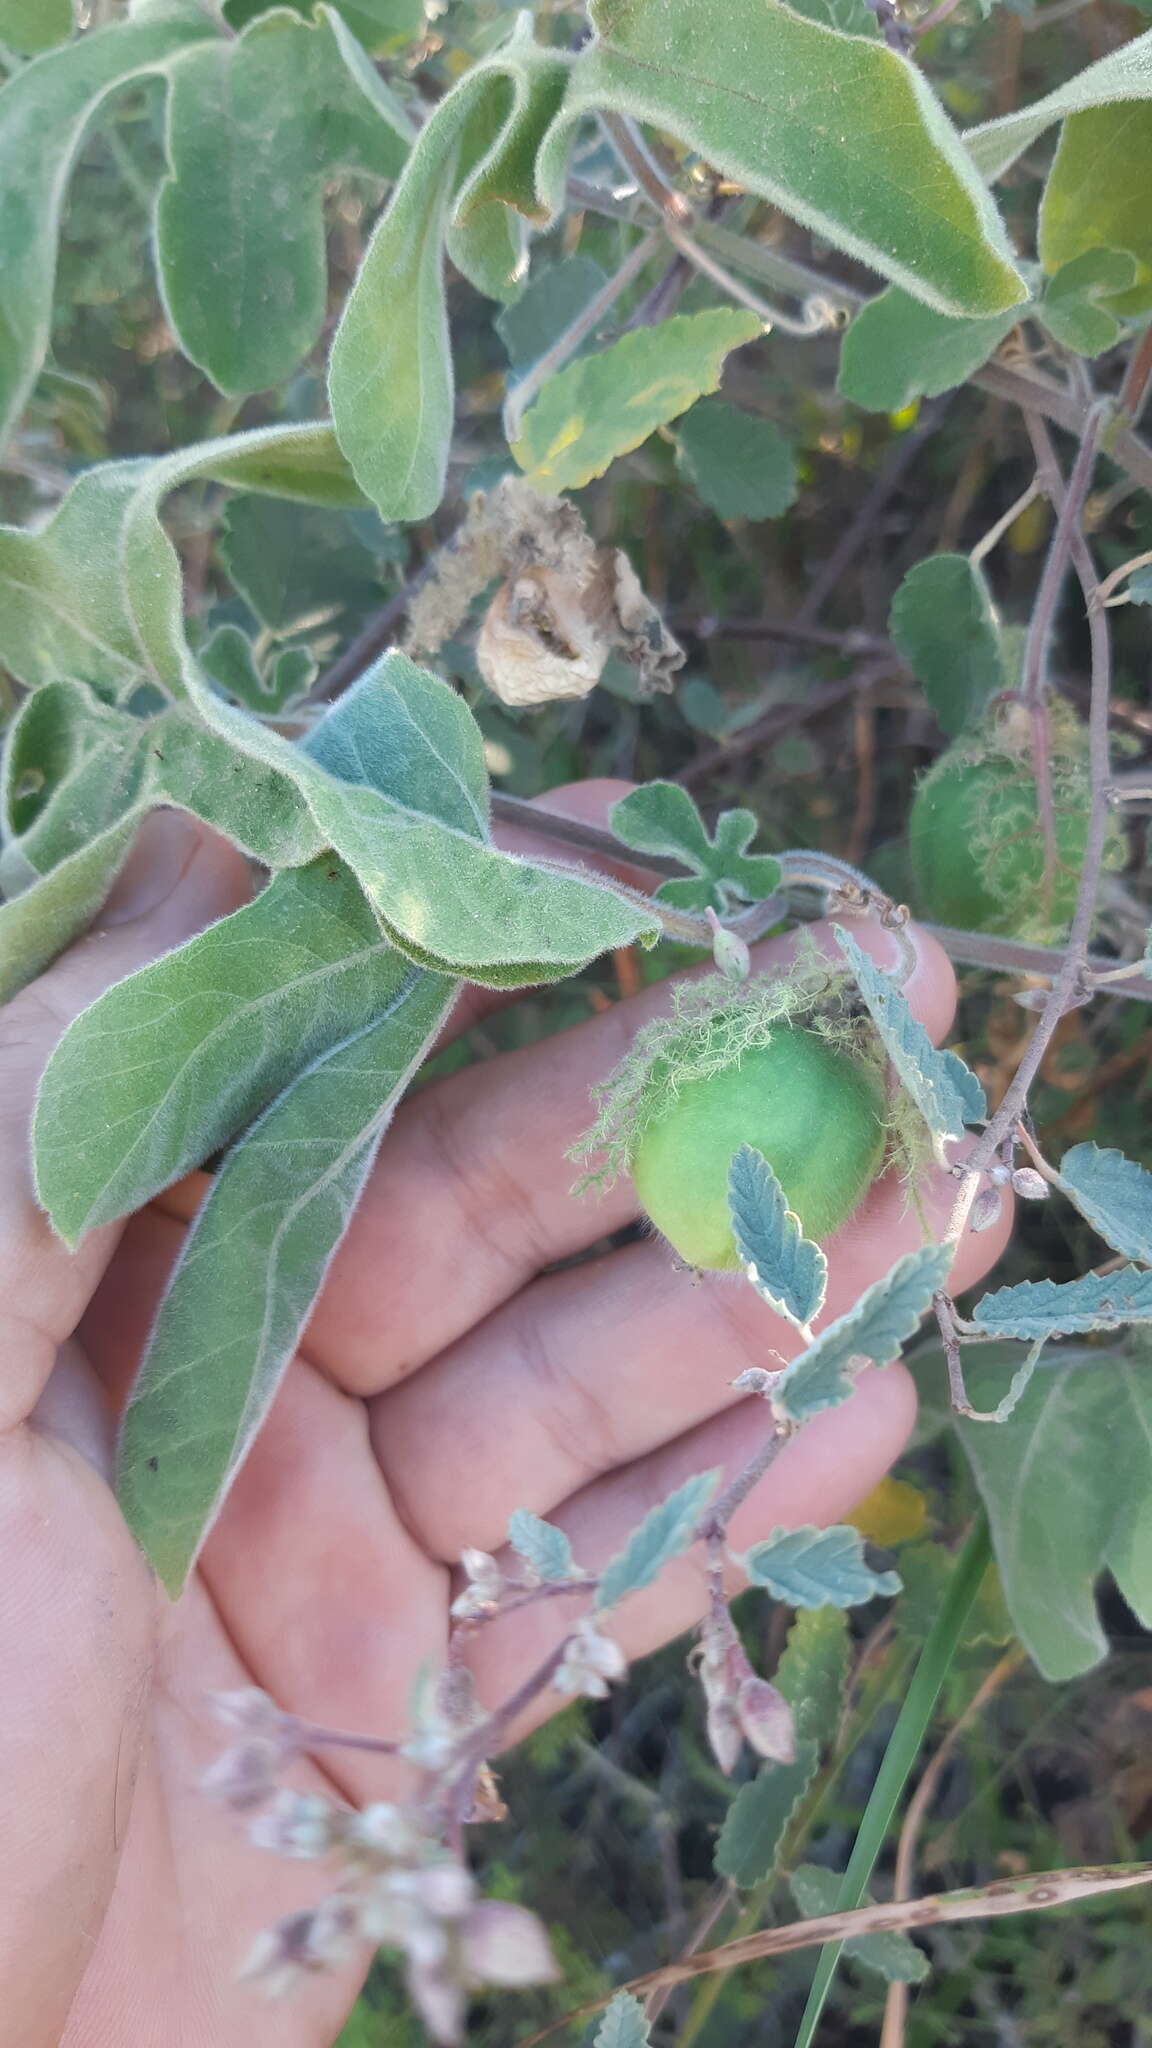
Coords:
pixel 1054 1308
pixel 874 1331
pixel 755 1823
pixel 608 402
pixel 817 1568
pixel 945 1091
pixel 739 464
pixel 898 350
pixel 624 2025
pixel 1115 1194
pixel 662 817
pixel 891 1955
pixel 943 624
pixel 785 1267
pixel 661 1536
pixel 542 1546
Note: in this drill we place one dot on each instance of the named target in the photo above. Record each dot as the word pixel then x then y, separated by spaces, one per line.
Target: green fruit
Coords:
pixel 813 1110
pixel 977 844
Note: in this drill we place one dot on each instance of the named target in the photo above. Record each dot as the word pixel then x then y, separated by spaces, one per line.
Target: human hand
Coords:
pixel 445 1379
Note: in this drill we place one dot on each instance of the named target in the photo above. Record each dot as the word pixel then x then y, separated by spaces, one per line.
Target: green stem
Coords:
pixel 900 1756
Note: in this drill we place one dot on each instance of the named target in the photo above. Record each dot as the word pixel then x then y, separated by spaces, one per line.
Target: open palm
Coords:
pixel 447 1378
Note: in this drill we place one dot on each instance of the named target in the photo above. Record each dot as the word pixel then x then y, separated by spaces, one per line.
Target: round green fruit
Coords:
pixel 977 843
pixel 814 1111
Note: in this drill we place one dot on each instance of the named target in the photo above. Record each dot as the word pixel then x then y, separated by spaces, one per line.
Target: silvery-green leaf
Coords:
pixel 660 1537
pixel 891 1955
pixel 1115 1194
pixel 785 1267
pixel 624 2025
pixel 874 1331
pixel 252 1264
pixel 1055 1308
pixel 38 923
pixel 817 1568
pixel 1124 74
pixel 945 1091
pixel 542 1545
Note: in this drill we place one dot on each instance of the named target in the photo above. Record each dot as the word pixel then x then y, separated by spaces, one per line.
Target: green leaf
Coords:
pixel 383 26
pixel 624 2025
pixel 603 404
pixel 1078 306
pixel 885 1316
pixel 754 1825
pixel 813 1672
pixel 1067 1482
pixel 1115 1194
pixel 945 1091
pixel 1053 1308
pixel 291 562
pixel 660 1537
pixel 230 659
pixel 890 1955
pixel 256 125
pixel 45 109
pixel 812 1567
pixel 797 112
pixel 70 767
pixel 661 817
pixel 553 297
pixel 1140 586
pixel 787 1270
pixel 29 26
pixel 166 1065
pixel 543 1546
pixel 1095 198
pixel 37 924
pixel 740 465
pixel 390 373
pixel 898 350
pixel 943 624
pixel 1125 74
pixel 253 1263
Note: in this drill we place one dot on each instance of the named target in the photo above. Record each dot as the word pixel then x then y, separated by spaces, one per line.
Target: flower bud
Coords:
pixel 506 1944
pixel 1030 1184
pixel 446 1890
pixel 985 1210
pixel 383 1830
pixel 729 951
pixel 766 1719
pixel 245 1777
pixel 590 1660
pixel 725 1734
pixel 297 1824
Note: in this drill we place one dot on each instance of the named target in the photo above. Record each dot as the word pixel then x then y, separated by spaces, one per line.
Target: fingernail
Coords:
pixel 165 848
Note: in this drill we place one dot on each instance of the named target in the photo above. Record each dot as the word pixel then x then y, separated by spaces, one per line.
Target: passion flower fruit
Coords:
pixel 977 841
pixel 784 1067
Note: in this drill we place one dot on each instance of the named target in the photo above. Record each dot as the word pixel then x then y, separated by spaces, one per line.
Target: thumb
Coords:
pixel 179 877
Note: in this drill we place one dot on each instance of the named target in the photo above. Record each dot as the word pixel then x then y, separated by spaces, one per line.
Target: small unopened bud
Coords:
pixel 245 1777
pixel 506 1944
pixel 383 1830
pixel 729 951
pixel 766 1719
pixel 754 1380
pixel 985 1210
pixel 316 1940
pixel 1030 1184
pixel 297 1824
pixel 445 1890
pixel 481 1596
pixel 590 1661
pixel 725 1735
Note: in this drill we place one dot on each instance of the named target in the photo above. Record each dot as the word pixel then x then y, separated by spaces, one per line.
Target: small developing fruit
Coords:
pixel 977 841
pixel 785 1068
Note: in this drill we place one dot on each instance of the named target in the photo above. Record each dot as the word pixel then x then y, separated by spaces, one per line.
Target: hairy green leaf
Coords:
pixel 944 625
pixel 785 1267
pixel 739 464
pixel 898 349
pixel 1123 75
pixel 662 817
pixel 256 125
pixel 660 1537
pixel 812 1567
pixel 605 403
pixel 29 26
pixel 45 109
pixel 945 1091
pixel 624 2025
pixel 754 1825
pixel 253 1262
pixel 544 1547
pixel 293 562
pixel 553 297
pixel 885 1316
pixel 1115 1194
pixel 38 923
pixel 891 1955
pixel 1080 306
pixel 229 657
pixel 799 113
pixel 1066 1308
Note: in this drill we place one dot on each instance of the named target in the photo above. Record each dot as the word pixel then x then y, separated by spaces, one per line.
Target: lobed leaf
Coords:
pixel 624 2025
pixel 1115 1194
pixel 660 1537
pixel 1055 1308
pixel 891 1955
pixel 543 1546
pixel 252 1265
pixel 787 1270
pixel 885 1316
pixel 812 1567
pixel 1077 308
pixel 662 817
pixel 811 1675
pixel 944 625
pixel 945 1091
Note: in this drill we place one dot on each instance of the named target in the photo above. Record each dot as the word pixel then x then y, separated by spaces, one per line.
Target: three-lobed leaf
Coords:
pixel 662 817
pixel 1079 304
pixel 787 1270
pixel 812 1567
